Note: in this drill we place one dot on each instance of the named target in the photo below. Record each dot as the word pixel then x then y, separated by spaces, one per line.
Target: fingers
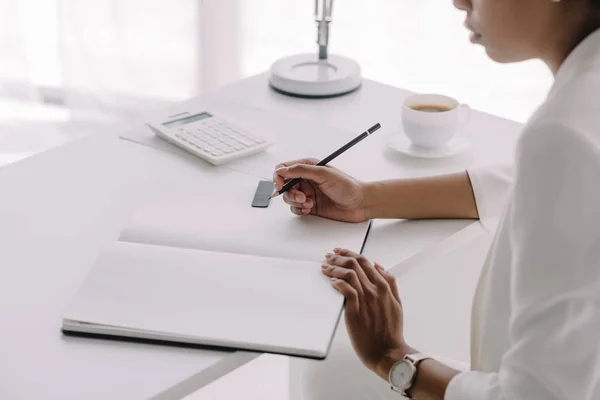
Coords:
pixel 366 265
pixel 299 203
pixel 346 274
pixel 300 211
pixel 296 198
pixel 390 279
pixel 307 160
pixel 351 295
pixel 351 264
pixel 279 180
pixel 317 174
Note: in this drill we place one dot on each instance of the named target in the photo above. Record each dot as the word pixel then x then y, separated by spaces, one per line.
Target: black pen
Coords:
pixel 293 182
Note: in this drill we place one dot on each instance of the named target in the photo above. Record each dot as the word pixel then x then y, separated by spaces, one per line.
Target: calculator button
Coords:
pixel 246 142
pixel 256 139
pixel 238 138
pixel 216 153
pixel 227 150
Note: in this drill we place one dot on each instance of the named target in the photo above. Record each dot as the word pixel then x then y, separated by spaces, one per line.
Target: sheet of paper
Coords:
pixel 214 212
pixel 213 298
pixel 143 135
pixel 289 135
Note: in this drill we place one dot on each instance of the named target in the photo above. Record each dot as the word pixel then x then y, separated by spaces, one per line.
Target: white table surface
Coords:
pixel 59 208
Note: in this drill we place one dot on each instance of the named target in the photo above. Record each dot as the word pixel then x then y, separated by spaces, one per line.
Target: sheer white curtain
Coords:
pixel 14 75
pixel 116 56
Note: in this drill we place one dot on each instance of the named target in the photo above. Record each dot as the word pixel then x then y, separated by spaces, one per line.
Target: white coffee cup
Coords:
pixel 432 120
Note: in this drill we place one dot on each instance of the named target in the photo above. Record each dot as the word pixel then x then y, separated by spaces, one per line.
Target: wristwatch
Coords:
pixel 404 372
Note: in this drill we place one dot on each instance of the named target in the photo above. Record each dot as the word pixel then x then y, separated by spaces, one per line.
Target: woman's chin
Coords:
pixel 500 56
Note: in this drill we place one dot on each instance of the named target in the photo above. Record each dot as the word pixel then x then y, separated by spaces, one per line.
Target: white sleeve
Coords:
pixel 491 186
pixel 554 222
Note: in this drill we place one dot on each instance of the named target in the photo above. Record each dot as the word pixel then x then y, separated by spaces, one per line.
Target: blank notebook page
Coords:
pixel 216 214
pixel 211 298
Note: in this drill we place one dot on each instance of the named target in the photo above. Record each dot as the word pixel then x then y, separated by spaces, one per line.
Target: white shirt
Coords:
pixel 536 315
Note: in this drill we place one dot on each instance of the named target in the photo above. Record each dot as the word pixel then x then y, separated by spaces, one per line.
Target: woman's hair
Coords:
pixel 595 5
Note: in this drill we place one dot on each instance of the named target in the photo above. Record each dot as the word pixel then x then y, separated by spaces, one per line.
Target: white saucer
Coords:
pixel 399 142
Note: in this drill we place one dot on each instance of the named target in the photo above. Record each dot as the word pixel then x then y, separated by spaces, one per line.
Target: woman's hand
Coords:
pixel 323 191
pixel 374 316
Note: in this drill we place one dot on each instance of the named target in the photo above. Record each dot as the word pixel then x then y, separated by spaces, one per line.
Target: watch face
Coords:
pixel 402 374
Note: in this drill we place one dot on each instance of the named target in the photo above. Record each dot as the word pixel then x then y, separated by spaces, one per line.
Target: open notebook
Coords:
pixel 197 264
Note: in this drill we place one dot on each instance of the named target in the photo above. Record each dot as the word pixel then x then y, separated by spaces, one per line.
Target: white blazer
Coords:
pixel 536 314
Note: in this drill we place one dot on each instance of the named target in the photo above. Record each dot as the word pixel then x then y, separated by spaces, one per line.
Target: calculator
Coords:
pixel 209 137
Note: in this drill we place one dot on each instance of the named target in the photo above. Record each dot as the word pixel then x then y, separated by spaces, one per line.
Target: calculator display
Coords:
pixel 187 120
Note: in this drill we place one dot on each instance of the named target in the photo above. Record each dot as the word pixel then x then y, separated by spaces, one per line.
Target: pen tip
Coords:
pixel 275 194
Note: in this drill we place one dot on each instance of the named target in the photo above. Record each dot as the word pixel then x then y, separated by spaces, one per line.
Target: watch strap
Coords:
pixel 416 358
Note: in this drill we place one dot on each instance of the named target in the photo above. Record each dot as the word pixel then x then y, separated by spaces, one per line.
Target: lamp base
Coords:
pixel 305 75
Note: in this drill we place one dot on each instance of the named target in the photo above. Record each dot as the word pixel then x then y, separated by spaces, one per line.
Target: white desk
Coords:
pixel 59 208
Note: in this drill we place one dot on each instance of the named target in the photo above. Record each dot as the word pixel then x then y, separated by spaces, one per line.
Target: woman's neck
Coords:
pixel 564 44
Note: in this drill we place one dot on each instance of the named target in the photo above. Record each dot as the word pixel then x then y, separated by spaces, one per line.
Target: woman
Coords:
pixel 536 313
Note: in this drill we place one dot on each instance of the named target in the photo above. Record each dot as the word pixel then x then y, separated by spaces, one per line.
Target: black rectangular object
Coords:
pixel 262 197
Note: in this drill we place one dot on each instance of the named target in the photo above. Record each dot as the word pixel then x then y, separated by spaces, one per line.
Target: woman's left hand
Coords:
pixel 374 316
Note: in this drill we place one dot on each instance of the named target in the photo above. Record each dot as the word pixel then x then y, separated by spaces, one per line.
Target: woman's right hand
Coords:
pixel 323 191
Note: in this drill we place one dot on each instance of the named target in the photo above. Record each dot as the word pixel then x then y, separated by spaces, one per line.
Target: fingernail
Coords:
pixel 337 249
pixel 324 266
pixel 334 280
pixel 379 267
pixel 328 255
pixel 300 198
pixel 282 170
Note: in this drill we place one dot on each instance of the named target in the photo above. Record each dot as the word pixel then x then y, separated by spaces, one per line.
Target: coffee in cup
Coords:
pixel 431 108
pixel 432 120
